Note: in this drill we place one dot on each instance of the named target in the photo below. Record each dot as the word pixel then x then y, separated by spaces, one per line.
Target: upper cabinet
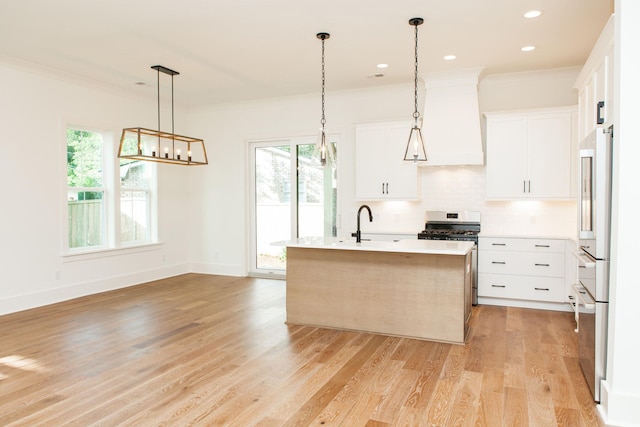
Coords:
pixel 381 171
pixel 595 85
pixel 529 154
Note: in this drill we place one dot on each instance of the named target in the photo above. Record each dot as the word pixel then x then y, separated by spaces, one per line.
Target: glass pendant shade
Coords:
pixel 415 146
pixel 322 147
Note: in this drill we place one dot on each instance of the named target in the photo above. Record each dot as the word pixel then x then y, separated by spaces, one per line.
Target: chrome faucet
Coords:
pixel 358 235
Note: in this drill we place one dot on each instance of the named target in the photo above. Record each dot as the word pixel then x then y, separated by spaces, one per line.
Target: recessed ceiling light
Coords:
pixel 382 65
pixel 449 57
pixel 527 48
pixel 532 14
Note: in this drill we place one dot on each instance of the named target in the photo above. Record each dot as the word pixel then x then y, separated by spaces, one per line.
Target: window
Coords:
pixel 293 196
pixel 105 209
pixel 135 177
pixel 86 195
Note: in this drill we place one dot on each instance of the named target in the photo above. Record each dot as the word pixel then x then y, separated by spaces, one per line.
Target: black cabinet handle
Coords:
pixel 542 246
pixel 599 118
pixel 541 289
pixel 387 188
pixel 498 262
pixel 542 265
pixel 499 244
pixel 498 286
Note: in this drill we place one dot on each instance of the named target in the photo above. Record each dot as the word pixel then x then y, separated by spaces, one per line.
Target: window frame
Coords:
pixel 112 192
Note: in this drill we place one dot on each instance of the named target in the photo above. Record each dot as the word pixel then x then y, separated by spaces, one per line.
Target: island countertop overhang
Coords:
pixel 435 247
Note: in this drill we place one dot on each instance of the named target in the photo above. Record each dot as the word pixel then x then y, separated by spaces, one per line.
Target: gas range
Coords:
pixel 456 225
pixel 451 225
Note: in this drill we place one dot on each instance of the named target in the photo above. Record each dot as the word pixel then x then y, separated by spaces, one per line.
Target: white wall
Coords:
pixel 621 390
pixel 221 207
pixel 34 112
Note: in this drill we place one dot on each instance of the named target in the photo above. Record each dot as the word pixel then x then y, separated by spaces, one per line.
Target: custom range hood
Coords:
pixel 451 119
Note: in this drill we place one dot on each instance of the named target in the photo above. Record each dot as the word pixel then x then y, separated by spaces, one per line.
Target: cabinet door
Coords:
pixel 599 85
pixel 402 176
pixel 549 154
pixel 506 157
pixel 381 172
pixel 608 90
pixel 371 168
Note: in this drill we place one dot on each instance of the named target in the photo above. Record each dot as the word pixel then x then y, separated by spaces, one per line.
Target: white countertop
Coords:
pixel 437 247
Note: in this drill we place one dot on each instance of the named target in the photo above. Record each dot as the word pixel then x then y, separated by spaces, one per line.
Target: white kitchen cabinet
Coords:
pixel 529 154
pixel 527 269
pixel 381 171
pixel 595 85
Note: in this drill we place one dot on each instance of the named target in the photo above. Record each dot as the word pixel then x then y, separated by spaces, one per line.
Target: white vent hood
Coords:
pixel 451 119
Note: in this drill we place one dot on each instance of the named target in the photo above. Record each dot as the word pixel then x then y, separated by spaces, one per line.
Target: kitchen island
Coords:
pixel 411 288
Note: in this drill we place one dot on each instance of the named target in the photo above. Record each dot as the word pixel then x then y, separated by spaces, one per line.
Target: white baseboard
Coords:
pixel 221 269
pixel 64 293
pixel 556 306
pixel 618 409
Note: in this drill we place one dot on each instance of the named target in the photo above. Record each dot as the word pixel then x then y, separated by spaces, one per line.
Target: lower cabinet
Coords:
pixel 522 269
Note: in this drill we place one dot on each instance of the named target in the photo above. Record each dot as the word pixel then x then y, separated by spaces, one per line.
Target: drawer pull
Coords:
pixel 541 289
pixel 542 246
pixel 498 244
pixel 542 265
pixel 498 262
pixel 498 286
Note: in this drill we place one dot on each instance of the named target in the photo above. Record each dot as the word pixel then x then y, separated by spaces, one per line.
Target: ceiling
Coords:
pixel 234 50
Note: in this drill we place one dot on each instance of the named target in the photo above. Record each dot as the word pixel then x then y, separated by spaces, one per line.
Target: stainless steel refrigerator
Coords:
pixel 592 290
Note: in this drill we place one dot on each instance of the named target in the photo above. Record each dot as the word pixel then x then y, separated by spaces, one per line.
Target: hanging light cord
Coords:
pixel 416 114
pixel 323 120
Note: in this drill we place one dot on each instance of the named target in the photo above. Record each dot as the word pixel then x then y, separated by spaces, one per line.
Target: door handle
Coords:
pixel 542 246
pixel 498 244
pixel 498 286
pixel 541 265
pixel 581 294
pixel 498 262
pixel 584 260
pixel 541 289
pixel 599 118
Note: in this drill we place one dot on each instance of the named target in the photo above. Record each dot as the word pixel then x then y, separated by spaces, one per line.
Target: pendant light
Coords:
pixel 415 146
pixel 158 146
pixel 321 145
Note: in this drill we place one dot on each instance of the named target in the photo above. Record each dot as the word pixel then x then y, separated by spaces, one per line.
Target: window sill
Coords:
pixel 109 252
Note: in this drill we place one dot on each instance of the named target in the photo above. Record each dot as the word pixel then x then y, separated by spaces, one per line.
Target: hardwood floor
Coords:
pixel 214 350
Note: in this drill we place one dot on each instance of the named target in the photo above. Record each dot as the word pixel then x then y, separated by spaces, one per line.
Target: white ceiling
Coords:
pixel 231 50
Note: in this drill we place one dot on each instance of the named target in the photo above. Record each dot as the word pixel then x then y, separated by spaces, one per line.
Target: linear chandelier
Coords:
pixel 158 146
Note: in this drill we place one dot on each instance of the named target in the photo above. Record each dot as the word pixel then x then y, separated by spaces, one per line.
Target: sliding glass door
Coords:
pixel 292 195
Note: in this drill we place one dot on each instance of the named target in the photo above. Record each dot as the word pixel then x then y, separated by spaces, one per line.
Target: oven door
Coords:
pixel 594 195
pixel 593 275
pixel 586 195
pixel 592 339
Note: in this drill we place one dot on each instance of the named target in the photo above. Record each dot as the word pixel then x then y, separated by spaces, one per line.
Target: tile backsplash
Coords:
pixel 463 188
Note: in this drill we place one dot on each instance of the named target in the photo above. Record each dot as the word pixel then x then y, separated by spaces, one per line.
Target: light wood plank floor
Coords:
pixel 214 350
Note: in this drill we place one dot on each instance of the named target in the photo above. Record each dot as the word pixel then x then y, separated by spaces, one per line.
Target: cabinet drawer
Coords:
pixel 549 289
pixel 521 263
pixel 521 245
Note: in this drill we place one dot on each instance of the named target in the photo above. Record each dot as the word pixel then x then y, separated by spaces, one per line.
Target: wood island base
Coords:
pixel 415 295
